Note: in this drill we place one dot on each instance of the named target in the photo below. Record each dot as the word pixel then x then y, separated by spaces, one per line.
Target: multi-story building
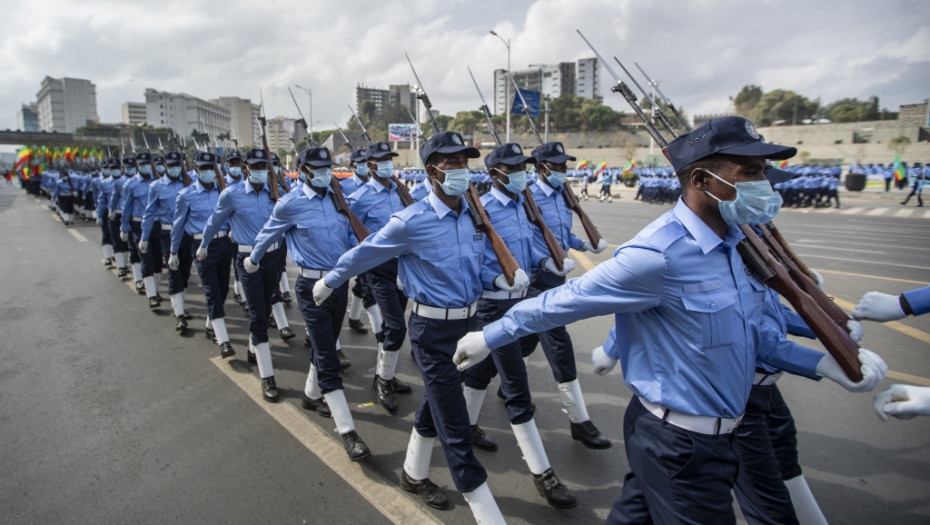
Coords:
pixel 378 96
pixel 587 80
pixel 133 113
pixel 242 119
pixel 65 104
pixel 27 118
pixel 551 80
pixel 185 113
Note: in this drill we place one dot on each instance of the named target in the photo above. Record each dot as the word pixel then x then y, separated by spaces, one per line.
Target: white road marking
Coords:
pixel 903 213
pixel 850 211
pixel 878 211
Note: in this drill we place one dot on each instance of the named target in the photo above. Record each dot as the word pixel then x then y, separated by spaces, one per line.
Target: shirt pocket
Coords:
pixel 711 304
pixel 435 250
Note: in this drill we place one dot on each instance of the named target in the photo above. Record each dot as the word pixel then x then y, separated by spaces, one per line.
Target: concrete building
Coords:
pixel 378 96
pixel 551 80
pixel 65 104
pixel 133 113
pixel 185 113
pixel 242 115
pixel 587 79
pixel 27 118
pixel 280 131
pixel 402 95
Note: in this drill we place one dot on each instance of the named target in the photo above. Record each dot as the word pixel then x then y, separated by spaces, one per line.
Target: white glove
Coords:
pixel 855 330
pixel 201 253
pixel 144 246
pixel 520 282
pixel 112 215
pixel 567 266
pixel 400 285
pixel 602 362
pixel 902 402
pixel 99 221
pixel 471 350
pixel 818 278
pixel 173 262
pixel 873 371
pixel 249 265
pixel 124 236
pixel 321 291
pixel 877 306
pixel 601 246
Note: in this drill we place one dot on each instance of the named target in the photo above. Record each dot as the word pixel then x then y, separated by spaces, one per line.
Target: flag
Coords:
pixel 899 172
pixel 783 164
pixel 600 167
pixel 532 102
pixel 24 156
pixel 581 164
pixel 628 167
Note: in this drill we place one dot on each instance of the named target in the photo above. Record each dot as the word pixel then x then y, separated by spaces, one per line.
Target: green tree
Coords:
pixel 746 100
pixel 853 110
pixel 466 122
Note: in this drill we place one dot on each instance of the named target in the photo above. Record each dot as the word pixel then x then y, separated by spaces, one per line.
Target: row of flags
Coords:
pixel 627 168
pixel 33 160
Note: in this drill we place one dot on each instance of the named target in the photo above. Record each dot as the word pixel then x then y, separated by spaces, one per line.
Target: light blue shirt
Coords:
pixel 689 318
pixel 421 190
pixel 508 217
pixel 116 196
pixel 317 235
pixel 919 299
pixel 556 213
pixel 135 197
pixel 351 184
pixel 246 210
pixel 163 197
pixel 374 204
pixel 439 254
pixel 194 206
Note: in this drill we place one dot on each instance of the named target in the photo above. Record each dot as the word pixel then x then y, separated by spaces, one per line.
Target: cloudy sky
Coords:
pixel 702 51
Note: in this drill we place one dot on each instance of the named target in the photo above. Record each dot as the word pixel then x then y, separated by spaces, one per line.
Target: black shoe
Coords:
pixel 307 342
pixel 252 359
pixel 187 316
pixel 211 335
pixel 481 441
pixel 286 298
pixel 317 405
pixel 401 387
pixel 589 435
pixel 159 297
pixel 108 262
pixel 343 360
pixel 140 287
pixel 385 390
pixel 355 447
pixel 428 491
pixel 287 333
pixel 226 350
pixel 153 302
pixel 182 324
pixel 553 490
pixel 358 326
pixel 269 389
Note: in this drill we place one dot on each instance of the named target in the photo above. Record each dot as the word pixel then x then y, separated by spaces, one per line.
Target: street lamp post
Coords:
pixel 506 84
pixel 310 97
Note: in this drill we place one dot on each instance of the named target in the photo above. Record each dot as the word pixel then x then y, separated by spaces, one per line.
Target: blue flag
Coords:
pixel 532 102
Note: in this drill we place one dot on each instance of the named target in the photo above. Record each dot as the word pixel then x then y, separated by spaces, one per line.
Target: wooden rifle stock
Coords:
pixel 532 213
pixel 405 196
pixel 589 228
pixel 220 178
pixel 792 255
pixel 836 340
pixel 505 259
pixel 339 201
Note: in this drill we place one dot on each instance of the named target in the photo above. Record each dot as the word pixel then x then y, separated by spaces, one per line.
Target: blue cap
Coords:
pixel 158 159
pixel 315 156
pixel 359 155
pixel 510 154
pixel 173 157
pixel 255 155
pixel 129 161
pixel 380 149
pixel 143 156
pixel 113 163
pixel 775 175
pixel 275 159
pixel 727 135
pixel 447 142
pixel 552 152
pixel 204 158
pixel 233 155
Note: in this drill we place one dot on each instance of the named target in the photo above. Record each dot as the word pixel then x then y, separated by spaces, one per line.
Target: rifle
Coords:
pixel 659 114
pixel 667 101
pixel 529 203
pixel 476 211
pixel 185 178
pixel 273 187
pixel 758 257
pixel 570 200
pixel 405 198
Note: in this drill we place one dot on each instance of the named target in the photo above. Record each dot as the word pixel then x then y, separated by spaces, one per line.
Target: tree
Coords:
pixel 853 110
pixel 466 122
pixel 746 100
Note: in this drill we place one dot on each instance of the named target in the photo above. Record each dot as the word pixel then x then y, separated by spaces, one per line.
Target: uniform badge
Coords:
pixel 752 130
pixel 456 139
pixel 516 149
pixel 478 237
pixel 558 147
pixel 323 154
pixel 259 154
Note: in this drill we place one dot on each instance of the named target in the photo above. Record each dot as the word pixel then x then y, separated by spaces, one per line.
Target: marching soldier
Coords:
pixel 115 206
pixel 104 187
pixel 361 293
pixel 159 215
pixel 135 198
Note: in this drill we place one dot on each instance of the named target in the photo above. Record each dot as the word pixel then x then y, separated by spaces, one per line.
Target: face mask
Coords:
pixel 160 169
pixel 385 168
pixel 207 176
pixel 258 176
pixel 115 174
pixel 556 178
pixel 302 176
pixel 130 171
pixel 235 171
pixel 755 203
pixel 145 169
pixel 362 169
pixel 456 182
pixel 517 181
pixel 321 177
pixel 174 172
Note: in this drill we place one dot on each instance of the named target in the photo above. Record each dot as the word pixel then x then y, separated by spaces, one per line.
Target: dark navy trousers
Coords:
pixel 214 273
pixel 118 244
pixel 152 259
pixel 262 289
pixel 323 325
pixel 363 291
pixel 383 282
pixel 105 237
pixel 556 343
pixel 177 279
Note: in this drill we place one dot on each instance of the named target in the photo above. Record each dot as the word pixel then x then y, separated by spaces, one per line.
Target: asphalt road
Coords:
pixel 108 416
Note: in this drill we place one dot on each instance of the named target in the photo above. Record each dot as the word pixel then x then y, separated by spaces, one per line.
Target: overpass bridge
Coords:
pixel 45 138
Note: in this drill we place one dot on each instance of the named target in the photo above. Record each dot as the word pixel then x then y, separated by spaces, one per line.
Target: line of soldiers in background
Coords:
pixel 813 185
pixel 913 172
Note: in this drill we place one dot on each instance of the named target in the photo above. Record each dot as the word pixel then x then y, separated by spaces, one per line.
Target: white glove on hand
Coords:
pixel 520 282
pixel 144 246
pixel 601 246
pixel 877 306
pixel 400 285
pixel 99 221
pixel 873 371
pixel 567 266
pixel 124 236
pixel 173 262
pixel 902 402
pixel 112 215
pixel 249 265
pixel 855 330
pixel 471 350
pixel 321 291
pixel 602 362
pixel 818 278
pixel 201 253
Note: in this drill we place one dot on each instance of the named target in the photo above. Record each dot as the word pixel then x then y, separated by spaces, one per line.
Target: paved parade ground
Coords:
pixel 108 416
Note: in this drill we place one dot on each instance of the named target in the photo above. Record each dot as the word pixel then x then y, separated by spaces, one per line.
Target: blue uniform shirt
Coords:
pixel 508 217
pixel 556 213
pixel 439 254
pixel 317 235
pixel 421 190
pixel 919 299
pixel 163 197
pixel 135 197
pixel 374 204
pixel 690 319
pixel 351 184
pixel 193 207
pixel 102 194
pixel 116 196
pixel 246 209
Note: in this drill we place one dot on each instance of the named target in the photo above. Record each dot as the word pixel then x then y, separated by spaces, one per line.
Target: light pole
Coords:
pixel 506 84
pixel 310 97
